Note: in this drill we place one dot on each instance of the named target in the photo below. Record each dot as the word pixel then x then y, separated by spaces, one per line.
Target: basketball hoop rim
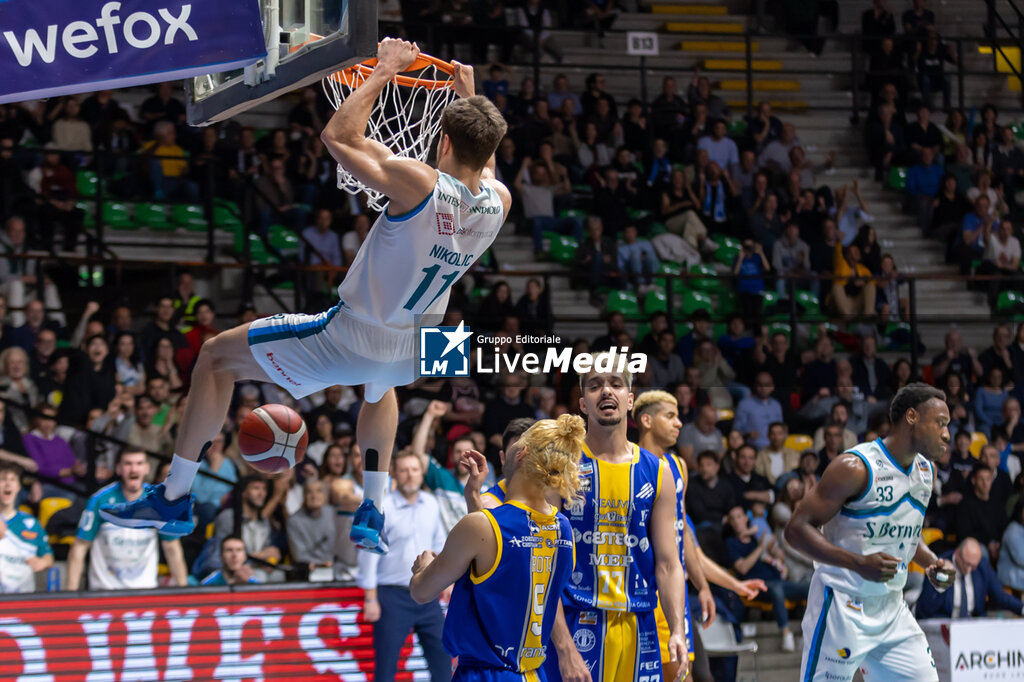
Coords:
pixel 424 60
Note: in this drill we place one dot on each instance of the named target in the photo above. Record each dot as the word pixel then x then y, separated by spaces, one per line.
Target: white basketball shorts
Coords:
pixel 879 635
pixel 307 353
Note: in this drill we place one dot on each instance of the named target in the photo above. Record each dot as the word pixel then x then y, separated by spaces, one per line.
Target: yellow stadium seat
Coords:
pixel 25 509
pixel 50 506
pixel 741 65
pixel 714 46
pixel 703 10
pixel 799 442
pixel 701 27
pixel 725 415
pixel 930 535
pixel 978 441
pixel 162 570
pixel 760 86
pixel 779 105
pixel 209 530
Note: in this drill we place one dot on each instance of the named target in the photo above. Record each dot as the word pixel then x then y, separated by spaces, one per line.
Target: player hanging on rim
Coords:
pixel 436 225
pixel 862 525
pixel 624 527
pixel 509 564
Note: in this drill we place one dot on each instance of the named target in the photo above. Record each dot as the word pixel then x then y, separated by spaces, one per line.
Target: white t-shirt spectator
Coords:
pixel 120 558
pixel 995 248
pixel 350 241
pixel 24 538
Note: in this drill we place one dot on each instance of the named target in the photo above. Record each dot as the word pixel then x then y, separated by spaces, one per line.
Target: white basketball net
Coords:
pixel 405 118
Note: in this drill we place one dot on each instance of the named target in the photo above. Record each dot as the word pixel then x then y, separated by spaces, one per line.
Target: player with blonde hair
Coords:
pixel 437 223
pixel 510 564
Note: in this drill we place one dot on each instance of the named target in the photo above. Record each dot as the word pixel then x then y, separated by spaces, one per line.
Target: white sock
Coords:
pixel 179 479
pixel 375 484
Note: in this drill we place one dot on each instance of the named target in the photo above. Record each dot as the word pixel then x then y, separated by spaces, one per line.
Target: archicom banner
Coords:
pixel 986 649
pixel 63 47
pixel 248 633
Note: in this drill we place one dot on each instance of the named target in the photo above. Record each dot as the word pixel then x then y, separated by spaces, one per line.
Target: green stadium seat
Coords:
pixel 642 330
pixel 1010 302
pixel 709 281
pixel 189 216
pixel 563 249
pixel 624 302
pixel 808 302
pixel 638 214
pixel 225 218
pixel 737 128
pixel 697 300
pixel 726 303
pixel 117 215
pixel 572 213
pixel 669 268
pixel 898 178
pixel 780 327
pixel 656 229
pixel 728 249
pixel 284 240
pixel 153 216
pixel 87 182
pixel 479 293
pixel 655 301
pixel 89 209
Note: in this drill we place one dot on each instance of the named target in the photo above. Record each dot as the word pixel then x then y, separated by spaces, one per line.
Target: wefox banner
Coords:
pixel 62 47
pixel 248 633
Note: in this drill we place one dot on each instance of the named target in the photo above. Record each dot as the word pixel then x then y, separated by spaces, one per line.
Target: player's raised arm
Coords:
pixel 471 540
pixel 845 478
pixel 405 181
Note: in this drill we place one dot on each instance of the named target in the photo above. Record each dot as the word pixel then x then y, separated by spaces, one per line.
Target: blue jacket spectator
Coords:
pixel 974 584
pixel 1011 556
pixel 988 401
pixel 925 178
pixel 756 413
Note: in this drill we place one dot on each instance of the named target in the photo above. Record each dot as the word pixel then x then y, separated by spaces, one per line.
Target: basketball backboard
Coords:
pixel 306 41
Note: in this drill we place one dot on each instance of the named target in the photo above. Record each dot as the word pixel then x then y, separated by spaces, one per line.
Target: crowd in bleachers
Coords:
pixel 635 190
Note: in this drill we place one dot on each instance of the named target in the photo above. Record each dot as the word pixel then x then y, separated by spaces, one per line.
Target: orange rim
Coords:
pixel 364 69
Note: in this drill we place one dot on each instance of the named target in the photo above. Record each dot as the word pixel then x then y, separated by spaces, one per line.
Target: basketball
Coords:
pixel 272 438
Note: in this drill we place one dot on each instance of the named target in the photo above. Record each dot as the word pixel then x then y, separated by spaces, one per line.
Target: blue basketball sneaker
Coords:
pixel 152 510
pixel 368 529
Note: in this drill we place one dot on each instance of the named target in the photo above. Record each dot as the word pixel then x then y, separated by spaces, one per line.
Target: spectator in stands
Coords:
pixel 998 354
pixel 495 307
pixel 833 436
pixel 91 381
pixel 679 211
pixel 980 515
pixel 923 184
pixel 751 487
pixel 699 92
pixel 168 169
pixel 354 238
pixel 19 280
pixel 127 364
pixel 720 149
pixel 871 375
pixel 52 455
pixel 161 106
pixel 311 530
pixel 701 435
pixel 143 433
pixel 886 67
pixel 613 201
pixel 885 140
pixel 923 134
pixel 273 198
pixel 838 415
pixel 716 192
pixel 983 187
pixel 876 23
pixel 235 568
pixel 1011 563
pixel 23 546
pixel 538 192
pixel 766 224
pixel 385 579
pixel 534 308
pixel 764 128
pixel 596 258
pixel 1001 256
pixel 762 559
pixel 636 259
pixel 781 362
pixel 58 191
pixel 853 291
pixel 665 367
pixel 750 267
pixel 756 413
pixel 775 459
pixel 717 378
pixel 974 584
pixel 790 259
pixel 931 73
pixel 162 364
pixel 503 408
pixel 161 326
pixel 122 558
pixel 988 401
pixel 709 496
pixel 263 540
pixel 17 386
pixel 956 359
pixel 819 376
pixel 326 247
pixel 775 155
pixel 535 20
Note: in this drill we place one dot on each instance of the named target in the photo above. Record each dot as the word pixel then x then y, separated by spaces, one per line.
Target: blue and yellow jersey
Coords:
pixel 616 562
pixel 678 469
pixel 502 618
pixel 497 491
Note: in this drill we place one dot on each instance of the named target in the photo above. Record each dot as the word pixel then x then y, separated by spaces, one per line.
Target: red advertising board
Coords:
pixel 254 633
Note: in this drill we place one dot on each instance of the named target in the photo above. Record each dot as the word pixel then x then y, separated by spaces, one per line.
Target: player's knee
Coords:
pixel 213 355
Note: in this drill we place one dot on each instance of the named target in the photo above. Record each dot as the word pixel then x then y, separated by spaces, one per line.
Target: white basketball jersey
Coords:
pixel 408 263
pixel 887 517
